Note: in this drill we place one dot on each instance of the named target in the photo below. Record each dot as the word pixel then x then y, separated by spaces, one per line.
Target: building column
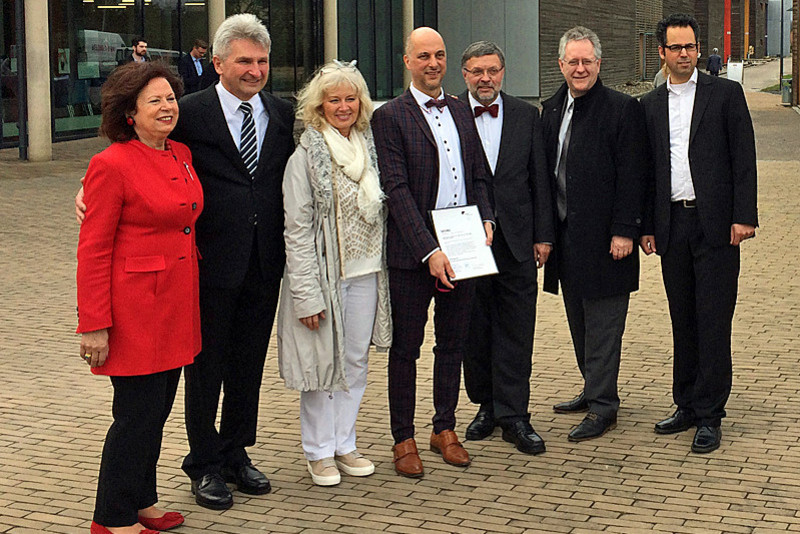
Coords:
pixel 330 30
pixel 37 52
pixel 408 27
pixel 216 15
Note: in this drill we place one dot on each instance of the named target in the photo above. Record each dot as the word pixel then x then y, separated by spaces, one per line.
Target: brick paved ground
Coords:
pixel 54 414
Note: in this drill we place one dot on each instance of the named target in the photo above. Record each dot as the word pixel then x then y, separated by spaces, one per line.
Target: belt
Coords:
pixel 686 203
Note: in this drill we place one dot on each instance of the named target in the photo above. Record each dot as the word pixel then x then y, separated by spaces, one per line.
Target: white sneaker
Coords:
pixel 324 472
pixel 354 464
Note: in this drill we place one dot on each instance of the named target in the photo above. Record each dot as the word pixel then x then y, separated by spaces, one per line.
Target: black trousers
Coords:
pixel 497 362
pixel 411 293
pixel 596 326
pixel 127 480
pixel 236 325
pixel 702 283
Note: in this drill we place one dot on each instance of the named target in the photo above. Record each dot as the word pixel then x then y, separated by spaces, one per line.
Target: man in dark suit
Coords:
pixel 700 207
pixel 240 137
pixel 138 54
pixel 430 157
pixel 596 148
pixel 497 364
pixel 194 70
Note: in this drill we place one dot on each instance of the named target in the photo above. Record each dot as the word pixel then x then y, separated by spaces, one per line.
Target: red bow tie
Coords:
pixel 438 103
pixel 493 110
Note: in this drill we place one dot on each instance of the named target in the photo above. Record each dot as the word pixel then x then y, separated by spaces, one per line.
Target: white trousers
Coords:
pixel 328 420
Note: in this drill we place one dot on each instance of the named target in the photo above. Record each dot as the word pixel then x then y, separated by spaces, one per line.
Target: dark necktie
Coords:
pixel 438 103
pixel 492 110
pixel 247 144
pixel 561 177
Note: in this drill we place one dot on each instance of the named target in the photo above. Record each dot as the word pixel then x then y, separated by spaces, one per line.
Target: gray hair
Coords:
pixel 716 50
pixel 241 26
pixel 579 33
pixel 482 48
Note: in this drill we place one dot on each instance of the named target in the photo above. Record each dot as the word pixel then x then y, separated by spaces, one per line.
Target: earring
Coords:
pixel 129 120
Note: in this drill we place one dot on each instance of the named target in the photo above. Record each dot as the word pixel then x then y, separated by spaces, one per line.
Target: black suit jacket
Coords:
pixel 520 189
pixel 409 164
pixel 188 73
pixel 236 207
pixel 607 166
pixel 722 159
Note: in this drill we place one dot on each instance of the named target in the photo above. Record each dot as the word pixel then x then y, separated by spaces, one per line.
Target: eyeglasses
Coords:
pixel 349 66
pixel 573 63
pixel 690 47
pixel 478 73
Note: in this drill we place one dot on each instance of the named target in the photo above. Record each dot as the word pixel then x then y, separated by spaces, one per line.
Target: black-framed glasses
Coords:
pixel 690 47
pixel 478 73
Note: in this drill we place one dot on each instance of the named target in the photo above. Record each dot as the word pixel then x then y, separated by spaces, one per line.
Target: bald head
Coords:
pixel 426 59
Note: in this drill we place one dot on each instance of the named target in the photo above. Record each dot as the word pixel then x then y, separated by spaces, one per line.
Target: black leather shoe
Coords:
pixel 482 426
pixel 578 404
pixel 706 439
pixel 248 479
pixel 592 426
pixel 524 437
pixel 211 492
pixel 680 421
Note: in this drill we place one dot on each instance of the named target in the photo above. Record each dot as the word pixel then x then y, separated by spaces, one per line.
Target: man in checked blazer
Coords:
pixel 430 157
pixel 240 239
pixel 700 207
pixel 497 364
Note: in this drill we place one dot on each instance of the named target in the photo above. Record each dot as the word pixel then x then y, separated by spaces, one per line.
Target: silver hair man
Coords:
pixel 242 26
pixel 579 33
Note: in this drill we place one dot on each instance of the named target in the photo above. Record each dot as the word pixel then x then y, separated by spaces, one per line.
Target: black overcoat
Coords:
pixel 607 164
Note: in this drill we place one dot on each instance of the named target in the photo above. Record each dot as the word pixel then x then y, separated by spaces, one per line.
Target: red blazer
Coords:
pixel 137 259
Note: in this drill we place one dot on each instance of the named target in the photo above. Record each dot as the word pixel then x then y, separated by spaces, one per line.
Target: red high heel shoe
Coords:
pixel 100 529
pixel 165 522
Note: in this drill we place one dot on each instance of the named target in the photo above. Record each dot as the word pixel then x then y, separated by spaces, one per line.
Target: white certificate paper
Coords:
pixel 463 239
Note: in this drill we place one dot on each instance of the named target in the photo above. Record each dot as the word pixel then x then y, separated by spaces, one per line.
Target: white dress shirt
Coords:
pixel 234 116
pixel 681 106
pixel 452 189
pixel 490 129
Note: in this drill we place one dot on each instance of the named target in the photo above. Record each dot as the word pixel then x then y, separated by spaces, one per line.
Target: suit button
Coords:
pixel 187 230
pixel 638 221
pixel 194 205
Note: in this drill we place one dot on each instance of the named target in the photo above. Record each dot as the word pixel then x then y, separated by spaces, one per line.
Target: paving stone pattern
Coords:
pixel 54 413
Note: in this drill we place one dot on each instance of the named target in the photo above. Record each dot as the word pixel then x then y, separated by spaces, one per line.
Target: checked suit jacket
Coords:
pixel 409 166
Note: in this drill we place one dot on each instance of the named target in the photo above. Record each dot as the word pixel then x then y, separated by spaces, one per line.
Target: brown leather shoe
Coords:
pixel 406 459
pixel 446 443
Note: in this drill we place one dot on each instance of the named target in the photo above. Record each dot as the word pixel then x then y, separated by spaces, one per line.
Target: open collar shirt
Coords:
pixel 681 107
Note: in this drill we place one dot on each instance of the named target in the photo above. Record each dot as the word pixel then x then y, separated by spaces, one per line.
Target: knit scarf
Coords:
pixel 351 154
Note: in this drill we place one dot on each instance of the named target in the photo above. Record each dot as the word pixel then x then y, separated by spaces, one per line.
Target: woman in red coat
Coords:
pixel 138 304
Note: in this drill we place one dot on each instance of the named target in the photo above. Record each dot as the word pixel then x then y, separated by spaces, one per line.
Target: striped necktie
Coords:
pixel 247 144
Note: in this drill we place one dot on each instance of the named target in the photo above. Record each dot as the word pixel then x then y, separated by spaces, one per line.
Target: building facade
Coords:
pixel 51 80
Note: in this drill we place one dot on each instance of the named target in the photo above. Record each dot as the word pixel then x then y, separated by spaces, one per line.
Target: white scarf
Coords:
pixel 350 153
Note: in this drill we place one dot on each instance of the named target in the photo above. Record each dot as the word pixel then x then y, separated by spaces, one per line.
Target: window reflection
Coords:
pixel 9 100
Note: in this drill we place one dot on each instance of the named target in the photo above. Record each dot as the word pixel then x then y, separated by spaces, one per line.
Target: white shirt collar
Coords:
pixel 230 102
pixel 421 97
pixel 473 102
pixel 678 88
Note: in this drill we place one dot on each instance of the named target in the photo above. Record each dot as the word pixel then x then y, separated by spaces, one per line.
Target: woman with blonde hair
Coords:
pixel 335 298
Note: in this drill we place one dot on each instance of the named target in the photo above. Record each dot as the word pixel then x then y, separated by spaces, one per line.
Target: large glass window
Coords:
pixel 372 32
pixel 9 98
pixel 295 29
pixel 89 38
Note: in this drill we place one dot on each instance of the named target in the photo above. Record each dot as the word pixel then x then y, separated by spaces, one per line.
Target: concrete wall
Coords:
pixel 512 24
